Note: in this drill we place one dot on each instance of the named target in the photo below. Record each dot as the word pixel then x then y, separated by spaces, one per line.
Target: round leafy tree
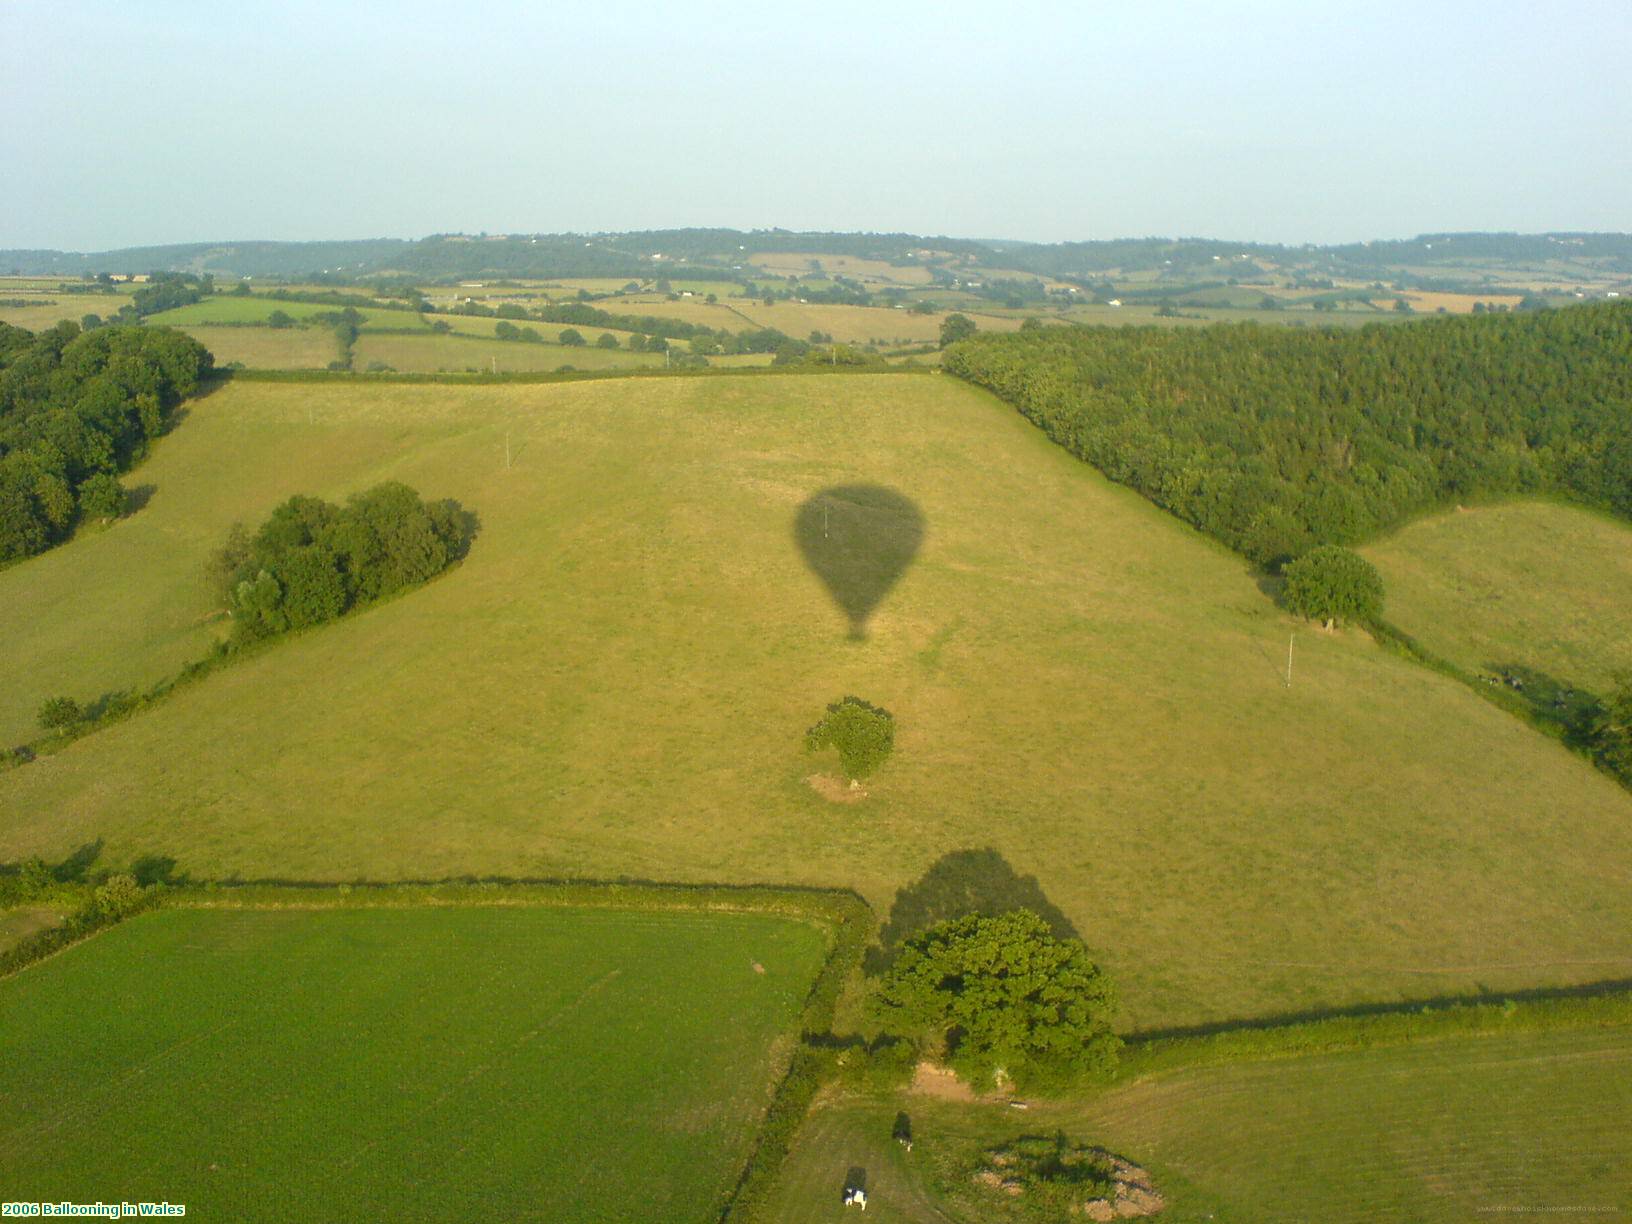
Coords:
pixel 1003 993
pixel 1332 584
pixel 956 327
pixel 101 497
pixel 863 733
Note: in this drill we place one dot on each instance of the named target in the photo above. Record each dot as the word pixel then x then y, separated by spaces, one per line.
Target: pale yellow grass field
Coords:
pixel 428 354
pixel 616 682
pixel 268 348
pixel 61 306
pixel 868 271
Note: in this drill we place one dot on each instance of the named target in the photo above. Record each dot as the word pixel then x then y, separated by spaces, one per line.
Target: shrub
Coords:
pixel 116 896
pixel 60 713
pixel 1332 584
pixel 863 734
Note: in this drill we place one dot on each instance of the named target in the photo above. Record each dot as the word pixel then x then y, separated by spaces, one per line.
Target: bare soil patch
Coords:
pixel 836 790
pixel 940 1082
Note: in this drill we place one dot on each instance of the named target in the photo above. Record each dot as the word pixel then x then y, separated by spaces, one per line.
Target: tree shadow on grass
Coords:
pixel 136 498
pixel 959 883
pixel 1573 710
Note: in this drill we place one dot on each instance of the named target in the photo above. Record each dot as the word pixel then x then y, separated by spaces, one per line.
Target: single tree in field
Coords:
pixel 59 713
pixel 956 327
pixel 863 734
pixel 571 337
pixel 1002 993
pixel 279 319
pixel 606 340
pixel 1331 584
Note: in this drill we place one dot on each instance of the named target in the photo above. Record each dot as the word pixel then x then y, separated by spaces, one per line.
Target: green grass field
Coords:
pixel 1445 1131
pixel 510 1062
pixel 1543 585
pixel 635 645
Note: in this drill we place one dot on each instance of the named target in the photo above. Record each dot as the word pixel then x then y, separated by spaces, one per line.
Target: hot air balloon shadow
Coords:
pixel 858 539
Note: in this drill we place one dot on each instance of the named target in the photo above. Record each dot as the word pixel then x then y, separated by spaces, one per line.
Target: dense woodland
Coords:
pixel 1276 440
pixel 77 409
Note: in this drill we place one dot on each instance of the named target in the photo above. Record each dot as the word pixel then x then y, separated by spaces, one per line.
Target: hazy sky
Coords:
pixel 147 121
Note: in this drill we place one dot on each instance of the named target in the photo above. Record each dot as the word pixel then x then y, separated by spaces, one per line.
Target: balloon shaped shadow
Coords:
pixel 858 539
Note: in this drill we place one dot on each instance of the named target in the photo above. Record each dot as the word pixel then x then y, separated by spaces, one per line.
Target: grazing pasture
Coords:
pixel 269 348
pixel 55 307
pixel 722 314
pixel 1442 1131
pixel 635 646
pixel 419 1064
pixel 1542 585
pixel 868 271
pixel 858 324
pixel 251 310
pixel 429 353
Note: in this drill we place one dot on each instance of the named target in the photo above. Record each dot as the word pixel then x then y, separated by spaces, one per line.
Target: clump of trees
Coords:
pixel 956 327
pixel 1002 996
pixel 313 561
pixel 168 290
pixel 1333 585
pixel 77 409
pixel 1275 440
pixel 863 734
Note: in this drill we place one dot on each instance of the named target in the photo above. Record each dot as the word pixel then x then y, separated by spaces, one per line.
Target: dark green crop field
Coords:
pixel 504 1063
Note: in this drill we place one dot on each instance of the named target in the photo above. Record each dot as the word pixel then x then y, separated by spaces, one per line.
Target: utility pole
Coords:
pixel 1289 640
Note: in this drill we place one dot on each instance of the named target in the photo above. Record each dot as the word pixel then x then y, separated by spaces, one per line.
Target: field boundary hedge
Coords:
pixel 1606 1006
pixel 76 928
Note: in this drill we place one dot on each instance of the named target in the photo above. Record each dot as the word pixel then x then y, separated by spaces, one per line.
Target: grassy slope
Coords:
pixel 622 669
pixel 1437 1132
pixel 283 1065
pixel 1539 584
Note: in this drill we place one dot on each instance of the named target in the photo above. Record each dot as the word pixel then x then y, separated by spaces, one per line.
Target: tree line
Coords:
pixel 1278 440
pixel 76 410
